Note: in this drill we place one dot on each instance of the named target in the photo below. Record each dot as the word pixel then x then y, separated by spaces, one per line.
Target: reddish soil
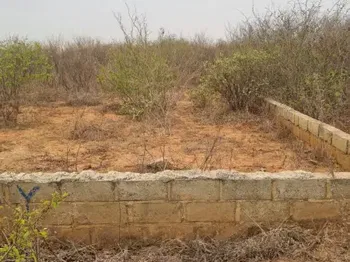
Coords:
pixel 58 137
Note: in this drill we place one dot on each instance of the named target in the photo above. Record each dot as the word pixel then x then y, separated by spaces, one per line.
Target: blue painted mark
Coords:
pixel 28 196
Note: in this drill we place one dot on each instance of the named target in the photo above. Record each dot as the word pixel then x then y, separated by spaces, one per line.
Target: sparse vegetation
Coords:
pixel 289 243
pixel 141 78
pixel 20 63
pixel 242 80
pixel 311 69
pixel 298 56
pixel 22 236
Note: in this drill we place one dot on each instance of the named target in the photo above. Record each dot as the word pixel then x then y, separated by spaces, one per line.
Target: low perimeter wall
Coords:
pixel 107 208
pixel 319 135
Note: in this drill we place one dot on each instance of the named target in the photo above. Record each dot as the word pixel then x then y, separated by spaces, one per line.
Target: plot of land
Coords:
pixel 58 137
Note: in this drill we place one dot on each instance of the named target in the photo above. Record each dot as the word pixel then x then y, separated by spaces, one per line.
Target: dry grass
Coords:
pixel 109 141
pixel 287 243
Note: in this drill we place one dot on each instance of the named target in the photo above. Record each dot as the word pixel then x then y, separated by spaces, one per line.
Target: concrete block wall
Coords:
pixel 107 208
pixel 317 134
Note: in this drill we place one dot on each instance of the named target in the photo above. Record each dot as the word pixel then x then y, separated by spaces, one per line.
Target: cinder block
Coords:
pixel 304 136
pixel 155 212
pixel 300 189
pixel 141 190
pixel 341 140
pixel 279 111
pixel 271 106
pixel 331 150
pixel 43 192
pixel 291 115
pixel 296 118
pixel 6 212
pixel 62 215
pixel 195 190
pixel 97 191
pixel 261 211
pixel 342 159
pixel 314 210
pixel 99 213
pixel 340 188
pixel 111 235
pixel 77 235
pixel 296 131
pixel 210 212
pixel 315 142
pixel 246 189
pixel 286 112
pixel 313 126
pixel 302 120
pixel 326 132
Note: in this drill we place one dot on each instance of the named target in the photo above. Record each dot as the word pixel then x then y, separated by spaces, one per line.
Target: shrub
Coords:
pixel 327 92
pixel 311 69
pixel 241 79
pixel 22 233
pixel 20 63
pixel 76 66
pixel 141 78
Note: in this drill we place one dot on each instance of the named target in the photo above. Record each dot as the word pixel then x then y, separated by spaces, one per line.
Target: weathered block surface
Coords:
pixel 261 211
pixel 341 140
pixel 79 235
pixel 155 212
pixel 43 191
pixel 309 210
pixel 300 189
pixel 193 190
pixel 314 132
pixel 246 189
pixel 326 132
pixel 210 212
pixel 313 126
pixel 98 191
pixel 108 208
pixel 99 213
pixel 302 120
pixel 62 215
pixel 341 188
pixel 141 190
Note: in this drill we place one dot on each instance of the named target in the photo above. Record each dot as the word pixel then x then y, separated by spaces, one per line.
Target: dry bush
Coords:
pixel 91 130
pixel 76 66
pixel 186 57
pixel 311 69
pixel 138 73
pixel 288 243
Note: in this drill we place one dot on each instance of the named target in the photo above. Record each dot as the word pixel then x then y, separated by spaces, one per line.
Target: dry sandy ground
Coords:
pixel 59 137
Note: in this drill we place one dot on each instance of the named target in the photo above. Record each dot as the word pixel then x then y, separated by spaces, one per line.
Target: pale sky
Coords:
pixel 42 19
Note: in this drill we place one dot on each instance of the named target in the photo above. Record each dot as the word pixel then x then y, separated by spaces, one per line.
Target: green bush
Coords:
pixel 141 78
pixel 240 79
pixel 311 69
pixel 20 63
pixel 22 232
